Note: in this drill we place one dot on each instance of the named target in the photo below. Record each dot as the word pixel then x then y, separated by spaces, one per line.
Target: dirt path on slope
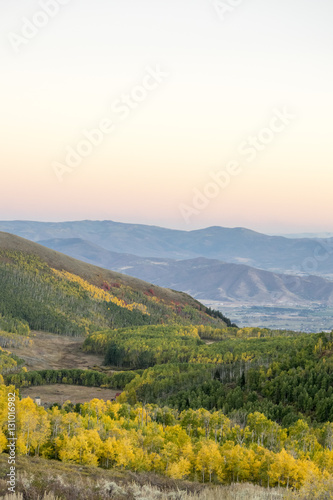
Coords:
pixel 56 352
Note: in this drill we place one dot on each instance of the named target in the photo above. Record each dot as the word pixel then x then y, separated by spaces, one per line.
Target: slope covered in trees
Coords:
pixel 145 346
pixel 13 332
pixel 198 445
pixel 202 399
pixel 284 375
pixel 58 294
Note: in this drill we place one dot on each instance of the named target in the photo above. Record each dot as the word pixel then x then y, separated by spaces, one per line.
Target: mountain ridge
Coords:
pixel 207 279
pixel 236 245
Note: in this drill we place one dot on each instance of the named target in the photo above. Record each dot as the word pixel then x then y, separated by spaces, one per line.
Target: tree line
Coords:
pixel 192 444
pixel 63 303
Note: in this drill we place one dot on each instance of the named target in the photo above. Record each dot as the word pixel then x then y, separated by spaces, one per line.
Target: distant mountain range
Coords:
pixel 237 245
pixel 205 279
pixel 230 266
pixel 308 235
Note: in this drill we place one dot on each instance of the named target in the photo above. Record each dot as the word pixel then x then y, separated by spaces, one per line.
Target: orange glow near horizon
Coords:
pixel 224 81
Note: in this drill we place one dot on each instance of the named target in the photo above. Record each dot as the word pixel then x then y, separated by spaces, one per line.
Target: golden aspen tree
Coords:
pixel 141 461
pixel 266 458
pixel 187 451
pixel 239 434
pixel 253 459
pixel 307 470
pixel 95 408
pixel 324 459
pixel 284 470
pixel 67 449
pixel 124 452
pixel 108 451
pixel 177 435
pixel 83 448
pixel 55 416
pixel 180 469
pixel 157 463
pixel 33 426
pixel 70 422
pixel 209 460
pixel 237 464
pixel 43 429
pixel 302 438
pixel 259 426
pixel 170 453
pixel 3 441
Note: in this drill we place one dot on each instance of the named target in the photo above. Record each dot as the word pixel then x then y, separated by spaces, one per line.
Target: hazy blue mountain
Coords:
pixel 205 279
pixel 324 235
pixel 237 245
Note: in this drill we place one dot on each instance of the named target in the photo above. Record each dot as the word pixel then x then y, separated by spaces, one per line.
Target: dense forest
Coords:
pixel 282 374
pixel 201 399
pixel 13 332
pixel 255 406
pixel 64 303
pixel 196 444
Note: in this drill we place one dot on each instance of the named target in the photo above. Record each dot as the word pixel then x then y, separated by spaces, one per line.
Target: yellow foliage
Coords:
pixel 98 293
pixel 209 460
pixel 197 443
pixel 180 469
pixel 3 441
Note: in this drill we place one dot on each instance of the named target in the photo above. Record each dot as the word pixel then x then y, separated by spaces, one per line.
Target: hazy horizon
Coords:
pixel 245 95
pixel 147 223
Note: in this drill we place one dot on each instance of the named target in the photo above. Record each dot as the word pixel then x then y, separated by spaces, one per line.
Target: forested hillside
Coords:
pixel 58 294
pixel 207 279
pixel 206 446
pixel 256 406
pixel 199 398
pixel 13 332
pixel 284 375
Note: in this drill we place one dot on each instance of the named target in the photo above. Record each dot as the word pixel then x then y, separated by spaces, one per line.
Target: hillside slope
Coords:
pixel 206 279
pixel 54 292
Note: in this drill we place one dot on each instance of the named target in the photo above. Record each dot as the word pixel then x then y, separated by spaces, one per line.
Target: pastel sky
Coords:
pixel 223 74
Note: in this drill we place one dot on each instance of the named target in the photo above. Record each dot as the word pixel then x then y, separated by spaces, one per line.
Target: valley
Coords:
pixel 272 281
pixel 166 250
pixel 158 382
pixel 300 318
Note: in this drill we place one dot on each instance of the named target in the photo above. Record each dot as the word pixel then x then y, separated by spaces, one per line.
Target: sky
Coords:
pixel 183 114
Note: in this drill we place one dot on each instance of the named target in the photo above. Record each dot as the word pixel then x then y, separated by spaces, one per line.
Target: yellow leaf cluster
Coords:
pixel 98 293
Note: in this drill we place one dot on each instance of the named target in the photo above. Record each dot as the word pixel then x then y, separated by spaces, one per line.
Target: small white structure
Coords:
pixel 38 401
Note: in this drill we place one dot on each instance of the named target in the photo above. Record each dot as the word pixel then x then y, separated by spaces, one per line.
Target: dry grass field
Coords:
pixel 59 393
pixel 56 352
pixel 40 479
